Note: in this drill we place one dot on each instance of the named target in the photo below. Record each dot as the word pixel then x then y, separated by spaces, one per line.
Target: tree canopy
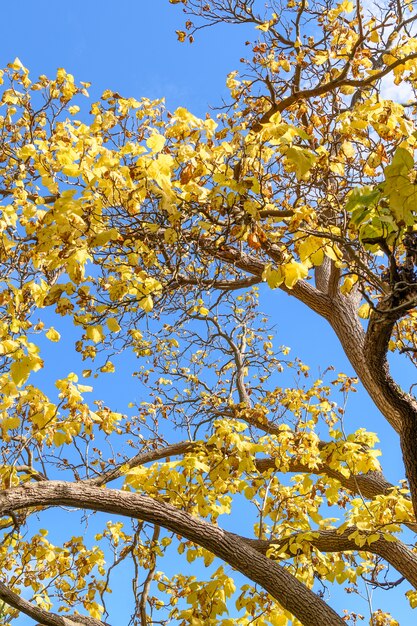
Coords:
pixel 147 232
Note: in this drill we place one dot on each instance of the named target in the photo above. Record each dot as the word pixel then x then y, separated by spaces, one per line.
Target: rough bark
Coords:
pixel 366 485
pixel 287 590
pixel 367 352
pixel 341 312
pixel 378 334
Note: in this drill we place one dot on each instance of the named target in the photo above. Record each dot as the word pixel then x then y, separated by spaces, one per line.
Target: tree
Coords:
pixel 152 233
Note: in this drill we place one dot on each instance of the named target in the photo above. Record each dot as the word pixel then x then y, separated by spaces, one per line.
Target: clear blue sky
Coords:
pixel 130 46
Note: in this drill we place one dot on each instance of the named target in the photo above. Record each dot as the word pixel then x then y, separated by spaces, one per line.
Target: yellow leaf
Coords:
pixel 95 333
pixel 108 368
pixel 294 272
pixel 72 169
pixel 302 160
pixel 337 168
pixel 27 151
pixel 50 556
pixel 264 27
pixel 53 335
pixel 155 142
pixel 321 57
pixel 191 555
pixel 274 277
pixel 364 311
pixel 113 325
pixel 346 6
pixel 17 65
pixel 170 235
pixel 348 149
pixel 107 235
pixel 374 36
pixel 21 369
pixel 348 284
pixel 8 345
pixel 84 388
pixel 95 610
pixel 412 598
pixel 10 423
pixel 249 492
pixel 43 603
pixel 311 249
pixel 285 64
pixel 59 438
pixel 146 304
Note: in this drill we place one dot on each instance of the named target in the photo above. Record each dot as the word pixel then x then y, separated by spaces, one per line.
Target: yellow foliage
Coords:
pixel 146 232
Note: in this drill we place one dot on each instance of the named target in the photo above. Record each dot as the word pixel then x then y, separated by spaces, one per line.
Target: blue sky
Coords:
pixel 130 46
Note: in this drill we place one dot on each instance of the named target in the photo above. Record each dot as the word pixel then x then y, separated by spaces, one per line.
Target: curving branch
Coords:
pixel 222 285
pixel 380 328
pixel 292 595
pixel 319 302
pixel 341 312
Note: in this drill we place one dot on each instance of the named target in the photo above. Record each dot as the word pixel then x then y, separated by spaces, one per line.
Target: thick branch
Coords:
pixel 277 213
pixel 4 193
pixel 381 325
pixel 341 312
pixel 366 485
pixel 302 290
pixel 342 316
pixel 378 335
pixel 287 590
pixel 223 285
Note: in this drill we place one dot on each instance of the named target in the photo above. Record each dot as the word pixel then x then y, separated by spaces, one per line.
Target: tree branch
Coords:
pixel 337 83
pixel 45 618
pixel 142 458
pixel 394 552
pixel 293 596
pixel 380 328
pixel 367 485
